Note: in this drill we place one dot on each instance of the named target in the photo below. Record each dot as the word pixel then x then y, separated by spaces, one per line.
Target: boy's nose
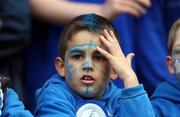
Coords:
pixel 87 66
pixel 87 69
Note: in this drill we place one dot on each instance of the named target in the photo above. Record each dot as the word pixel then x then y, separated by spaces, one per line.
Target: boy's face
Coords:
pixel 86 71
pixel 173 61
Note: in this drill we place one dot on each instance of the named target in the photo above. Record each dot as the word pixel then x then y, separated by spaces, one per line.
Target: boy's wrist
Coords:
pixel 130 92
pixel 130 80
pixel 130 83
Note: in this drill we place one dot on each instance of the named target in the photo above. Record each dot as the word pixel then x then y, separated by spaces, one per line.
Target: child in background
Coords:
pixel 90 57
pixel 166 98
pixel 10 104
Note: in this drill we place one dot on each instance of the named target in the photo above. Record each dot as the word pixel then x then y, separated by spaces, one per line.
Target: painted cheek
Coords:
pixel 69 67
pixel 177 67
pixel 70 71
pixel 87 92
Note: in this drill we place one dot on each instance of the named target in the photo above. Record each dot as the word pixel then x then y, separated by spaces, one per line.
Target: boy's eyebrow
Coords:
pixel 76 50
pixel 85 44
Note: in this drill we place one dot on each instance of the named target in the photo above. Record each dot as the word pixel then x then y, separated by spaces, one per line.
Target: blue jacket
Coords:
pixel 13 107
pixel 55 98
pixel 166 99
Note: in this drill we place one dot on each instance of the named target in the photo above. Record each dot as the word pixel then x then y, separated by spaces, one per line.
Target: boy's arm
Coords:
pixel 134 102
pixel 120 63
pixel 61 11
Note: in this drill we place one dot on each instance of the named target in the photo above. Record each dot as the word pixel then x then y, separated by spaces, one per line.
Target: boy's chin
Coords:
pixel 92 97
pixel 89 97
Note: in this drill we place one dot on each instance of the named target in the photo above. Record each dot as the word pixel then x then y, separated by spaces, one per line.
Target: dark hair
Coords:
pixel 89 22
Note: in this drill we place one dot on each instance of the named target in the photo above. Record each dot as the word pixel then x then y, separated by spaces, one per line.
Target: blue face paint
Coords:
pixel 70 71
pixel 81 45
pixel 88 63
pixel 83 59
pixel 91 22
pixel 76 51
pixel 87 90
pixel 69 68
pixel 176 64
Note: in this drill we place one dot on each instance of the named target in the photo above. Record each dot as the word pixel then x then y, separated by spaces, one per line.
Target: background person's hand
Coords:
pixel 112 8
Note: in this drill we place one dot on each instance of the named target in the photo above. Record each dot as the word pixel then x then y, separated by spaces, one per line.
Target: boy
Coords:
pixel 90 56
pixel 166 98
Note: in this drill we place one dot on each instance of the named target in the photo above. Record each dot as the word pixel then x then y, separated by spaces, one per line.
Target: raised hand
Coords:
pixel 120 63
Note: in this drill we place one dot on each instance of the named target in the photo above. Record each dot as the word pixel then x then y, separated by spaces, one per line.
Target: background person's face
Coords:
pixel 87 72
pixel 176 54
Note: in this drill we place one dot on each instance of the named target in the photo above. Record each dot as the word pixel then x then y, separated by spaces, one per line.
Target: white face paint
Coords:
pixel 176 64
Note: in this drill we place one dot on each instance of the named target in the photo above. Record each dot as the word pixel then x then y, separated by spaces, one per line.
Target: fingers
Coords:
pixel 114 38
pixel 110 41
pixel 134 7
pixel 105 53
pixel 146 3
pixel 129 57
pixel 108 36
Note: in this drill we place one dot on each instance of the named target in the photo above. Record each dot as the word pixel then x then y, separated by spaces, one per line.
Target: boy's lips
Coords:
pixel 87 80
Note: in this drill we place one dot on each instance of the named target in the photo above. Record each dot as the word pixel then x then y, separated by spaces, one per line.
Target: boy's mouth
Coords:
pixel 87 80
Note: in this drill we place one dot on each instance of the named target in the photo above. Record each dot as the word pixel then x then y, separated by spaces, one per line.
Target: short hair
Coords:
pixel 89 22
pixel 172 35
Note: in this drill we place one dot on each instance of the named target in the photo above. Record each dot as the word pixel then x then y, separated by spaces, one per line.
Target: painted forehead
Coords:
pixel 80 46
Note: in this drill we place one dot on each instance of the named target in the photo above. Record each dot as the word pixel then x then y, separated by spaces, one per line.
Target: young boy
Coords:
pixel 90 57
pixel 166 98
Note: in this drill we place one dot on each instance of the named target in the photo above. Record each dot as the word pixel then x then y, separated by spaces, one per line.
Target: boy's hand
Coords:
pixel 120 63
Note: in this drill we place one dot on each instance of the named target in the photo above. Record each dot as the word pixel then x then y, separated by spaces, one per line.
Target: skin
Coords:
pixel 100 58
pixel 173 62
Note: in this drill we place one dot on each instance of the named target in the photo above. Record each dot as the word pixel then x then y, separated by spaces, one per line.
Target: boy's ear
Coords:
pixel 60 68
pixel 113 75
pixel 169 63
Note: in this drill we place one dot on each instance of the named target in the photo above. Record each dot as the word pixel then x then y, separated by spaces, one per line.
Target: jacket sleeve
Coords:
pixel 13 107
pixel 54 102
pixel 134 102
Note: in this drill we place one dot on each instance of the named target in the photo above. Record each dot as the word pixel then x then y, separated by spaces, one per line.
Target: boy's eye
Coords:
pixel 76 56
pixel 99 58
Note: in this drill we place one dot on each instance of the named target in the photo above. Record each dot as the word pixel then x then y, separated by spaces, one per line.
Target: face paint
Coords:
pixel 87 90
pixel 176 64
pixel 70 71
pixel 77 52
pixel 87 72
